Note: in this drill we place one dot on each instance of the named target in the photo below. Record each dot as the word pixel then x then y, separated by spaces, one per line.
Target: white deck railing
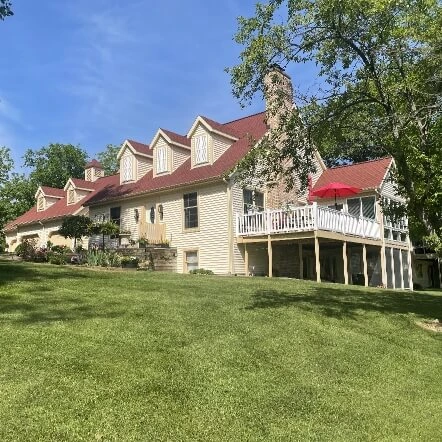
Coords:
pixel 306 218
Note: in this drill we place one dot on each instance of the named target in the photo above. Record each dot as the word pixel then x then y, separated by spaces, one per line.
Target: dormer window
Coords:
pixel 201 151
pixel 161 159
pixel 127 168
pixel 71 196
pixel 88 174
pixel 40 203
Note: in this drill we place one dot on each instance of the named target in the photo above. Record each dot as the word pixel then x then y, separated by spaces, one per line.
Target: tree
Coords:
pixel 75 227
pixel 5 9
pixel 54 164
pixel 6 164
pixel 380 91
pixel 108 159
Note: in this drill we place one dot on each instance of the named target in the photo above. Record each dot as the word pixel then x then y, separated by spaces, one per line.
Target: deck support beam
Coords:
pixel 345 261
pixel 270 254
pixel 383 266
pixel 401 269
pixel 317 261
pixel 364 262
pixel 393 277
pixel 246 260
pixel 301 262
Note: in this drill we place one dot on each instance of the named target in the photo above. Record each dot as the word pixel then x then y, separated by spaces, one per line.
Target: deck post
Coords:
pixel 345 261
pixel 246 260
pixel 301 262
pixel 364 261
pixel 317 261
pixel 383 265
pixel 393 277
pixel 270 253
pixel 410 268
pixel 401 269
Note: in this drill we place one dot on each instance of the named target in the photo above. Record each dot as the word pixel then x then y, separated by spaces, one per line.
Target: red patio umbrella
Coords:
pixel 335 189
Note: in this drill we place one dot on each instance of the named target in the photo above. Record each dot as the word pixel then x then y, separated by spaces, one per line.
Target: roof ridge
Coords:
pixel 243 118
pixel 360 162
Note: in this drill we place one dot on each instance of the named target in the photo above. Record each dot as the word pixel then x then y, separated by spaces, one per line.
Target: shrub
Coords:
pixel 103 259
pixel 26 249
pixel 129 260
pixel 57 258
pixel 201 272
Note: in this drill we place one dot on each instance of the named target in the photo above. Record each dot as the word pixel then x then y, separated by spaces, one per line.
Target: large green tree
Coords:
pixel 54 164
pixel 108 159
pixel 5 9
pixel 75 227
pixel 378 93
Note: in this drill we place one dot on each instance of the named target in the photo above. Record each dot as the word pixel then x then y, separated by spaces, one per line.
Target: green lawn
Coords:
pixel 102 355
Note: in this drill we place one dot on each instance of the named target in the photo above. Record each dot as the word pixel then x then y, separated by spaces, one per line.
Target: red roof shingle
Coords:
pixel 365 175
pixel 253 126
pixel 52 191
pixel 141 147
pixel 180 139
pixel 93 163
pixel 60 208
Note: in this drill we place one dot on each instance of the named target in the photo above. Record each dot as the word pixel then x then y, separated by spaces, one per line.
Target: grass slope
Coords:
pixel 100 355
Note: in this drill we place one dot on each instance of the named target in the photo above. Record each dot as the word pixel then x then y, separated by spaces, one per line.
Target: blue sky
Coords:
pixel 93 72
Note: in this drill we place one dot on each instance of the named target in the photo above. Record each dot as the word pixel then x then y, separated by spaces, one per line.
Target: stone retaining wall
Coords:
pixel 163 259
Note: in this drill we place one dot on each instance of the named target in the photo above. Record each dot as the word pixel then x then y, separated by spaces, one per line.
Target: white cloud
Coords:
pixel 9 112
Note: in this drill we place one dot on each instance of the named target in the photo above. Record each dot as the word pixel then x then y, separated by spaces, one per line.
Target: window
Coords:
pixel 71 196
pixel 362 207
pixel 190 260
pixel 253 201
pixel 115 214
pixel 127 168
pixel 161 159
pixel 88 175
pixel 201 149
pixel 40 203
pixel 160 212
pixel 152 214
pixel 190 210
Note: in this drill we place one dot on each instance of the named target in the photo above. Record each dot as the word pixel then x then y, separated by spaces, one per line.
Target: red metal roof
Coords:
pixel 141 147
pixel 52 191
pixel 83 184
pixel 253 126
pixel 365 175
pixel 60 208
pixel 221 127
pixel 180 139
pixel 93 163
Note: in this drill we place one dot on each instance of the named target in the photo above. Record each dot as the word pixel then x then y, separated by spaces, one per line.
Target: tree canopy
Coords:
pixel 5 9
pixel 378 94
pixel 54 164
pixel 75 227
pixel 108 159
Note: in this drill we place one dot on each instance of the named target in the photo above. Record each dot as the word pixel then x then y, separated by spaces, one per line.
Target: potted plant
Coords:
pixel 142 242
pixel 129 262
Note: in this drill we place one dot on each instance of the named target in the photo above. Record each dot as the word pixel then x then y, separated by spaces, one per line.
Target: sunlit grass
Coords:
pixel 101 355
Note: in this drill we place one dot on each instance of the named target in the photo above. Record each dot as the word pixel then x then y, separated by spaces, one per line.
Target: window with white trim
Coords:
pixel 41 203
pixel 190 260
pixel 365 206
pixel 71 196
pixel 127 168
pixel 190 210
pixel 253 201
pixel 161 159
pixel 201 150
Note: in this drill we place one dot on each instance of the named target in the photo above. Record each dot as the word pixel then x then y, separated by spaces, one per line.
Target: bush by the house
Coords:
pixel 103 259
pixel 26 249
pixel 129 261
pixel 201 272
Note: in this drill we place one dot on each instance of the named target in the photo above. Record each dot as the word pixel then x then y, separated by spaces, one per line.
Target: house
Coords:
pixel 42 222
pixel 180 189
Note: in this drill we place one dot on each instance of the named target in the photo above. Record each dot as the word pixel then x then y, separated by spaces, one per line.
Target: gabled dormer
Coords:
pixel 93 171
pixel 170 150
pixel 135 161
pixel 76 189
pixel 47 196
pixel 209 140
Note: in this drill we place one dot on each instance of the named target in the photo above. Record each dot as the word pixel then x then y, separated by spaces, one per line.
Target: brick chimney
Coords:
pixel 278 93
